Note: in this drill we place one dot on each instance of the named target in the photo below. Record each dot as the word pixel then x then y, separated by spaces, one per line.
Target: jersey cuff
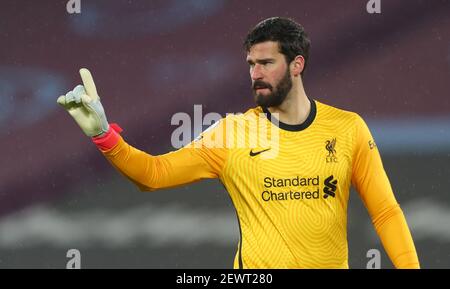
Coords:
pixel 110 139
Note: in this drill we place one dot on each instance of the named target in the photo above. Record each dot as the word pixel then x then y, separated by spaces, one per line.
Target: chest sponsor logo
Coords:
pixel 298 188
pixel 329 188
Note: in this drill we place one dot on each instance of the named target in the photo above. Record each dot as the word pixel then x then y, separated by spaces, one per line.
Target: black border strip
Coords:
pixel 294 127
pixel 240 262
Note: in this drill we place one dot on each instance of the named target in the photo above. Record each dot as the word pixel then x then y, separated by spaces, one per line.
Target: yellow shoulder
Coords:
pixel 330 112
pixel 342 119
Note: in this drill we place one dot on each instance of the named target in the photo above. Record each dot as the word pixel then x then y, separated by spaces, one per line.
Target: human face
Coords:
pixel 270 74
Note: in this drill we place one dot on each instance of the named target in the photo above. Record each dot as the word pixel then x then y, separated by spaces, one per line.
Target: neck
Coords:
pixel 295 108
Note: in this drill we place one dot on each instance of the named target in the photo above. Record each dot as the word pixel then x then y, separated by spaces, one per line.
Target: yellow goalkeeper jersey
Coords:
pixel 289 184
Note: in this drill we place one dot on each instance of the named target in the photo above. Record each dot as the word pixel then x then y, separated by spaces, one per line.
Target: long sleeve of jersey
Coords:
pixel 372 184
pixel 201 159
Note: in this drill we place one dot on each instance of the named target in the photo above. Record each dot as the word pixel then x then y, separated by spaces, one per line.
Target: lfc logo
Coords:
pixel 330 146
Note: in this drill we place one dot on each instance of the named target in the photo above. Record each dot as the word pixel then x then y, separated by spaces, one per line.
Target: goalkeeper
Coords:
pixel 291 207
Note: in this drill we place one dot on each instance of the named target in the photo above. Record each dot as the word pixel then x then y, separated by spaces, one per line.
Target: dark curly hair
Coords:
pixel 291 37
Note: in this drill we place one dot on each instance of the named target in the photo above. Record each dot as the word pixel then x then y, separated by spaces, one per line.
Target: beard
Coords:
pixel 277 95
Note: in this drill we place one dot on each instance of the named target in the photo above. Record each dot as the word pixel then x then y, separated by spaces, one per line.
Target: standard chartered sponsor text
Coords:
pixel 308 188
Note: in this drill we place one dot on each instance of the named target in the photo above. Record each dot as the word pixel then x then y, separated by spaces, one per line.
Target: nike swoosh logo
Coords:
pixel 252 154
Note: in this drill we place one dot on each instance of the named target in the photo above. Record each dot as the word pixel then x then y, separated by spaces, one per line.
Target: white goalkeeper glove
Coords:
pixel 83 104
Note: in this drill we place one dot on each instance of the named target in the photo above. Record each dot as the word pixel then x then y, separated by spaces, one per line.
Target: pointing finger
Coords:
pixel 88 83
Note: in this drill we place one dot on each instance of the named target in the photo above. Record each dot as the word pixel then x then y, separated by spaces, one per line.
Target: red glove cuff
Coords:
pixel 109 139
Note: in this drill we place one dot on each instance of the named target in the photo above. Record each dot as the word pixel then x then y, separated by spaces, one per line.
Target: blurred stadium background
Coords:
pixel 151 59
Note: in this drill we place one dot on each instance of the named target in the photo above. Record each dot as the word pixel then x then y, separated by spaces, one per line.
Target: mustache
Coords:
pixel 261 84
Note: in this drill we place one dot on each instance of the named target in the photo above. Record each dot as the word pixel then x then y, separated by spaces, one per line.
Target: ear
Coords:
pixel 298 64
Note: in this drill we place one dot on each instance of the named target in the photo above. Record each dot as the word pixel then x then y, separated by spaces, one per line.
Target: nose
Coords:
pixel 256 72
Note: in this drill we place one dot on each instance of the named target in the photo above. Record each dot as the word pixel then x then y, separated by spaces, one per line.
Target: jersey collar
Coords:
pixel 294 127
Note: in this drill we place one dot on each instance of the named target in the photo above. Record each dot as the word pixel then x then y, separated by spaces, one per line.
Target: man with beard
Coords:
pixel 292 206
